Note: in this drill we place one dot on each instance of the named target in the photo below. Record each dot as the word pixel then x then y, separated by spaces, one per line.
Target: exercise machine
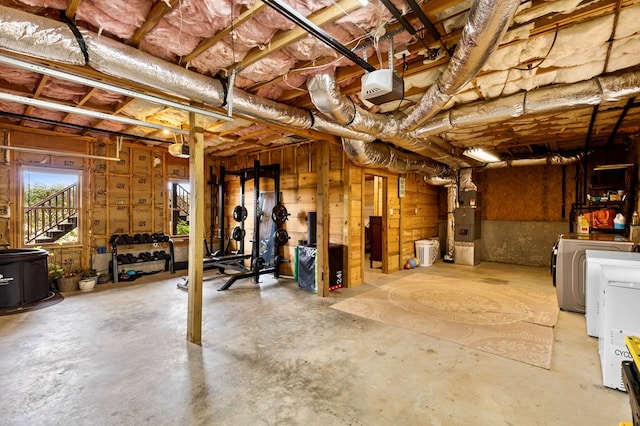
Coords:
pixel 261 262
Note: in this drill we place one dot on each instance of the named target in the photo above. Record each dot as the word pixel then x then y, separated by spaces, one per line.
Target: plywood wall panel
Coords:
pixel 307 180
pixel 525 193
pixel 302 159
pixel 288 164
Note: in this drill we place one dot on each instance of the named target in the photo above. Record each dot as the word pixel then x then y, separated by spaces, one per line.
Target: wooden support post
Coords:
pixel 322 260
pixel 196 226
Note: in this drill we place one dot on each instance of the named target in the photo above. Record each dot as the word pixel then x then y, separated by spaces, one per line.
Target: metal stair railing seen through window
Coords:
pixel 53 217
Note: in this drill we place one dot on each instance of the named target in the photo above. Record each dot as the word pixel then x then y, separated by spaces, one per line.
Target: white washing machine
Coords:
pixel 619 317
pixel 615 266
pixel 571 265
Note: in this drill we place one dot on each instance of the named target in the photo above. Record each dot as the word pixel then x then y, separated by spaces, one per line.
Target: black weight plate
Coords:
pixel 240 213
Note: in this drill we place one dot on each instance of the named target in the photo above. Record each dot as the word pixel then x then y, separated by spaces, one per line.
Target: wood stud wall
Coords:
pixel 129 196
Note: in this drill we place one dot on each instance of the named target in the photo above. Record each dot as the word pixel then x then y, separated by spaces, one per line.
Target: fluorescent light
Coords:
pixel 364 2
pixel 481 155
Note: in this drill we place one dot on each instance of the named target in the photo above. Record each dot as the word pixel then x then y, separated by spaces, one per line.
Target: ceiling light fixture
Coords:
pixel 179 148
pixel 481 155
pixel 364 2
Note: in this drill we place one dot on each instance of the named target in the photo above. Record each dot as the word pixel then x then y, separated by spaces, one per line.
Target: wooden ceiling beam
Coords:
pixel 84 100
pixel 72 7
pixel 207 43
pixel 254 135
pixel 35 95
pixel 283 39
pixel 45 132
pixel 157 12
pixel 433 7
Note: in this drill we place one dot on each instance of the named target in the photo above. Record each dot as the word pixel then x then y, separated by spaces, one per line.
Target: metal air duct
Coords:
pixel 556 98
pixel 488 21
pixel 383 155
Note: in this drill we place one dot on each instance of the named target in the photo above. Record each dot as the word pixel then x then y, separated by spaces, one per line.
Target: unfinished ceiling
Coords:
pixel 562 78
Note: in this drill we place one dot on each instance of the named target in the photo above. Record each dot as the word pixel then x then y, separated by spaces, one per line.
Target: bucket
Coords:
pixel 425 252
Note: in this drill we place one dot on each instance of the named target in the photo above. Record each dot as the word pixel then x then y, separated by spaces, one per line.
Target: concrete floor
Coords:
pixel 277 355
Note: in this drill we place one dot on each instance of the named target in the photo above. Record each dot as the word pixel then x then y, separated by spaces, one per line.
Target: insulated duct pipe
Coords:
pixel 545 100
pixel 487 22
pixel 380 154
pixel 325 94
pixel 548 160
pixel 50 40
pixel 452 205
pixel 44 38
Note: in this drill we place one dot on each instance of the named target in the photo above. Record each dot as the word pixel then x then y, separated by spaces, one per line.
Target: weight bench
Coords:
pixel 231 261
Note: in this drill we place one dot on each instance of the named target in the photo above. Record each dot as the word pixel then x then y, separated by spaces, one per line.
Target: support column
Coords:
pixel 322 255
pixel 196 227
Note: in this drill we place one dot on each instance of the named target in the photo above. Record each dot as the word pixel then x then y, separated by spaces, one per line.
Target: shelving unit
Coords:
pixel 610 192
pixel 169 263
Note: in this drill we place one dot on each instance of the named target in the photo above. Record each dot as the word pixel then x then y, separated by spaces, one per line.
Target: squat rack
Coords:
pixel 256 172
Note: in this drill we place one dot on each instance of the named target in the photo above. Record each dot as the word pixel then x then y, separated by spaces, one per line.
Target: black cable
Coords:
pixel 529 68
pixel 76 32
pixel 292 15
pixel 405 66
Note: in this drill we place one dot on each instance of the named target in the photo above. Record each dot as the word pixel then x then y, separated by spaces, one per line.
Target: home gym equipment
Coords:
pixel 279 214
pixel 266 241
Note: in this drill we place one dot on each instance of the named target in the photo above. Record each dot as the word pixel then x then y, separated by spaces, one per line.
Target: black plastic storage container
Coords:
pixel 23 276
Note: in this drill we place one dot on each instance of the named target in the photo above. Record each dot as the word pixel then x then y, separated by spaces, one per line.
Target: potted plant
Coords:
pixel 88 279
pixel 55 273
pixel 69 281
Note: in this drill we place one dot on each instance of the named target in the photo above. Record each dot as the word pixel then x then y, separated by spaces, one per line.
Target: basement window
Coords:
pixel 50 206
pixel 179 202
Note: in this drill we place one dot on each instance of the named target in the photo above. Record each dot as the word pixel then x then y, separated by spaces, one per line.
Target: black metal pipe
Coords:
pixel 431 29
pixel 292 15
pixel 592 122
pixel 614 132
pixel 256 223
pixel 399 17
pixel 221 207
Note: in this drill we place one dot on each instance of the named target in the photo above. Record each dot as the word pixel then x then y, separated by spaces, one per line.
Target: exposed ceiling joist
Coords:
pixel 157 12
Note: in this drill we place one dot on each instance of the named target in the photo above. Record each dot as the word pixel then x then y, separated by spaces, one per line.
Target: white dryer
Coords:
pixel 571 265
